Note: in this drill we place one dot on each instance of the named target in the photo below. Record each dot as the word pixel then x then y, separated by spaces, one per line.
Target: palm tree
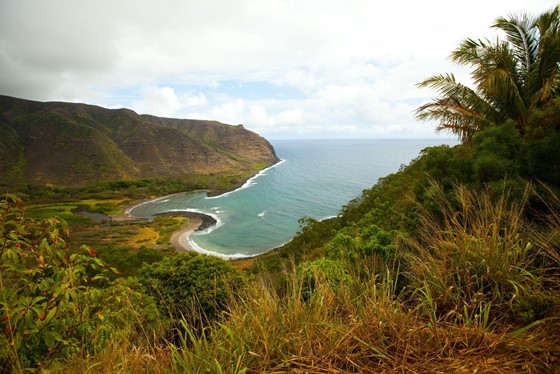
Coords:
pixel 512 77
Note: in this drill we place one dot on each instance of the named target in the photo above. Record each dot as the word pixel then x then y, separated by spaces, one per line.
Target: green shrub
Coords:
pixel 191 285
pixel 52 301
pixel 130 314
pixel 324 272
pixel 342 246
pixel 375 240
pixel 497 153
pixel 48 306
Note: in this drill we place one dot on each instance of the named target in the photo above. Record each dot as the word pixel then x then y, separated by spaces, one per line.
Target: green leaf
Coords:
pixel 51 314
pixel 52 338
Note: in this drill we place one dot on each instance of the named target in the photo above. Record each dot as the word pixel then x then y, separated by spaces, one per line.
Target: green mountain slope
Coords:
pixel 75 145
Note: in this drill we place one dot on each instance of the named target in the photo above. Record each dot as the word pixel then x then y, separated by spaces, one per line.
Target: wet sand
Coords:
pixel 179 238
pixel 197 221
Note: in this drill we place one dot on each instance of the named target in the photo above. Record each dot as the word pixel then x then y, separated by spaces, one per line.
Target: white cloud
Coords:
pixel 157 101
pixel 164 101
pixel 196 100
pixel 339 68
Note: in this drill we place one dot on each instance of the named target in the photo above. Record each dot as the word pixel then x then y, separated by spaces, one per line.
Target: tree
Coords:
pixel 191 285
pixel 512 77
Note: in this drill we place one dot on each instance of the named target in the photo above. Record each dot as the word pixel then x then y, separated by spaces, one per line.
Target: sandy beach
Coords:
pixel 125 215
pixel 178 239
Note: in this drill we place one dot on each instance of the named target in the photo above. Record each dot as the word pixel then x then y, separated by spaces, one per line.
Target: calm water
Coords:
pixel 315 179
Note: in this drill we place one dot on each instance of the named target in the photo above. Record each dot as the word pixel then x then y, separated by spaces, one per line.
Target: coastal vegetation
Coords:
pixel 452 264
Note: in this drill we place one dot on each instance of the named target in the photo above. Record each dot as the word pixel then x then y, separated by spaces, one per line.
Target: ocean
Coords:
pixel 315 179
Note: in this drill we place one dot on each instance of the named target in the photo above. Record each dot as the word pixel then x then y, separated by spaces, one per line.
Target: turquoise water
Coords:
pixel 315 179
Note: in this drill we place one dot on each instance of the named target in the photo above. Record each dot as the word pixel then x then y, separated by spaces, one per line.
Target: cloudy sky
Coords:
pixel 283 68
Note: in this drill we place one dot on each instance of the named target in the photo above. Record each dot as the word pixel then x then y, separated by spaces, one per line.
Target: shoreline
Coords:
pixel 178 239
pixel 197 221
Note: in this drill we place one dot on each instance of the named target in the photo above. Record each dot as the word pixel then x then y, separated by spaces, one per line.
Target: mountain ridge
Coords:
pixel 75 145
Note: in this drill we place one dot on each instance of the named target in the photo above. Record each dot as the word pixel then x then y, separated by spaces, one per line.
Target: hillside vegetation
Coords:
pixel 451 264
pixel 77 145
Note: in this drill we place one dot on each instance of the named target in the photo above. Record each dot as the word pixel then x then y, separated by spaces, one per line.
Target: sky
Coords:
pixel 300 69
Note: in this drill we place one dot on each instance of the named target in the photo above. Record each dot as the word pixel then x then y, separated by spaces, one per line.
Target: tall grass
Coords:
pixel 475 261
pixel 364 328
pixel 469 298
pixel 547 236
pixel 121 356
pixel 469 275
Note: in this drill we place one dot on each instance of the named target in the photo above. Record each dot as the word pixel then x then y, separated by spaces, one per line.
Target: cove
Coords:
pixel 315 179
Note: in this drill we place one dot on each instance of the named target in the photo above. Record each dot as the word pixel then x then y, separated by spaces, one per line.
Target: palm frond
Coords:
pixel 522 36
pixel 454 117
pixel 545 79
pixel 511 77
pixel 491 57
pixel 459 109
pixel 468 52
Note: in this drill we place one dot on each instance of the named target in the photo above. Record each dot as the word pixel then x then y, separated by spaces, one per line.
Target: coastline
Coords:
pixel 179 238
pixel 197 221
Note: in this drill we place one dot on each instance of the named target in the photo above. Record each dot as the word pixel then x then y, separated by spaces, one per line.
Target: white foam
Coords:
pixel 191 243
pixel 152 201
pixel 210 228
pixel 250 182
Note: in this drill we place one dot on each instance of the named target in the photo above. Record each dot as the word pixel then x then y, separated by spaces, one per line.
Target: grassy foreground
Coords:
pixel 476 290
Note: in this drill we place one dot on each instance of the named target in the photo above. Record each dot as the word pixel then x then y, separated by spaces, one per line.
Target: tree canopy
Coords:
pixel 511 77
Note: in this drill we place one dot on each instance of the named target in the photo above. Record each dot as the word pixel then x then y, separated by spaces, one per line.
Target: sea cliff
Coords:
pixel 76 145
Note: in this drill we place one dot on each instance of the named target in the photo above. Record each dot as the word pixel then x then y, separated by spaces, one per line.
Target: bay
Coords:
pixel 315 179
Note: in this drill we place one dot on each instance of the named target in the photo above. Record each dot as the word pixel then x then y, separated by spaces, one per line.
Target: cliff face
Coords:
pixel 74 145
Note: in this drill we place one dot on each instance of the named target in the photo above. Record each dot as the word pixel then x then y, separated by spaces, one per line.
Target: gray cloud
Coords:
pixel 353 65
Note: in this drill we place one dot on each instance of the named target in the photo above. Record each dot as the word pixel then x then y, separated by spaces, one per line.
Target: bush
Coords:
pixel 375 240
pixel 52 301
pixel 541 149
pixel 190 285
pixel 130 314
pixel 48 306
pixel 341 247
pixel 323 272
pixel 497 153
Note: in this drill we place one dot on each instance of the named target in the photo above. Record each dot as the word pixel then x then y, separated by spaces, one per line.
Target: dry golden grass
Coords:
pixel 144 236
pixel 121 357
pixel 370 332
pixel 360 329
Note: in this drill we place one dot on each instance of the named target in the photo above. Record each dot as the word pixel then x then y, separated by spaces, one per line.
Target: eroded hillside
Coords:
pixel 75 145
